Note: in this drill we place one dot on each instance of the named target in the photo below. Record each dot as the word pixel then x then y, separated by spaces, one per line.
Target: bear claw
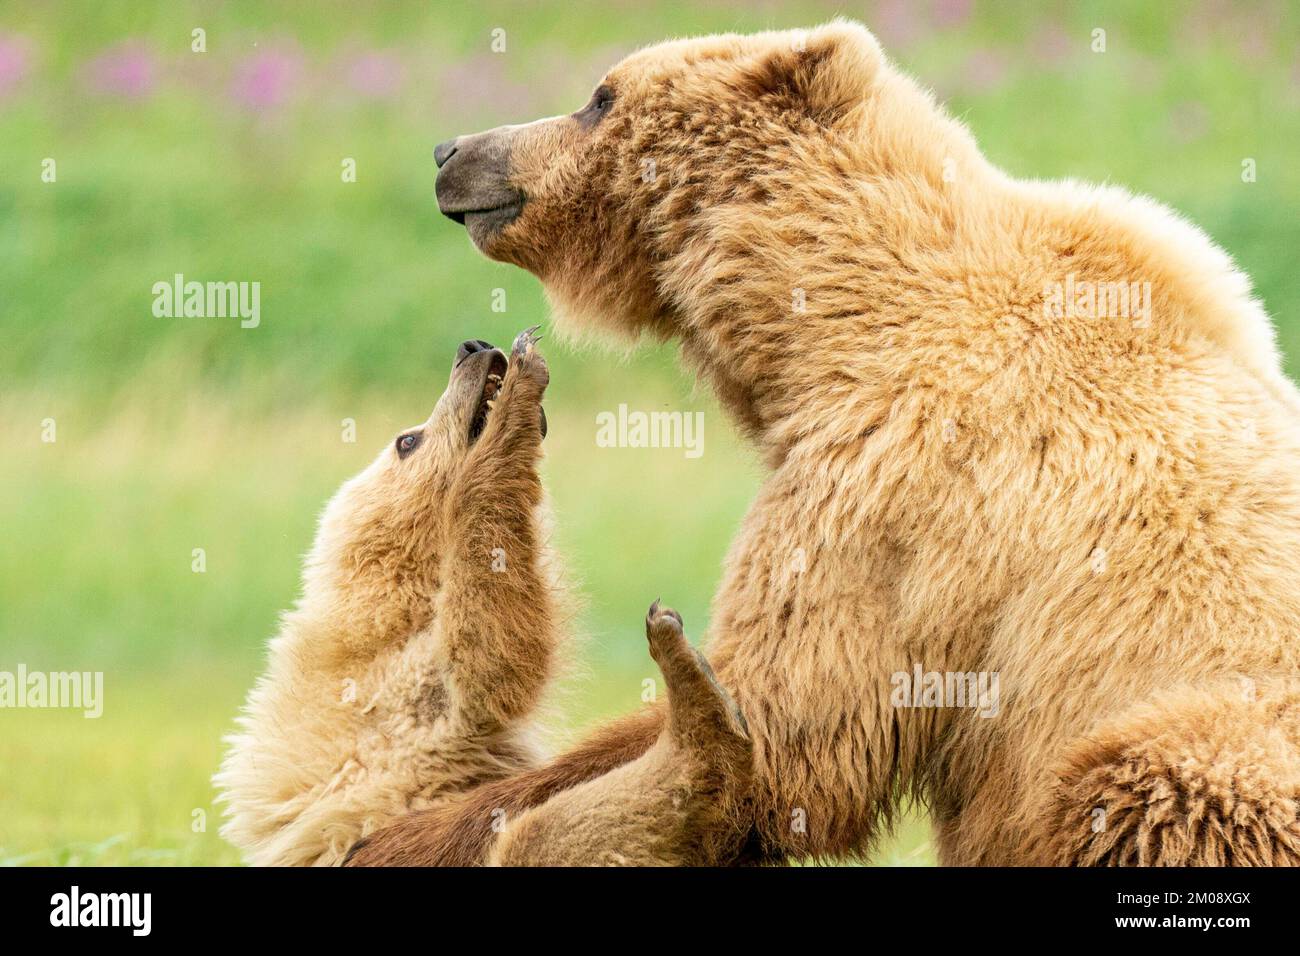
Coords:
pixel 658 613
pixel 525 341
pixel 527 362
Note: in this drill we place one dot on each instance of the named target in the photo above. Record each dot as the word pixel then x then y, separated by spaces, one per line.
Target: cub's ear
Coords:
pixel 825 71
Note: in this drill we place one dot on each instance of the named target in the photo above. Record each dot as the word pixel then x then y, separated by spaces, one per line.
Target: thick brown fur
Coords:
pixel 414 663
pixel 1171 783
pixel 460 832
pixel 1102 511
pixel 661 791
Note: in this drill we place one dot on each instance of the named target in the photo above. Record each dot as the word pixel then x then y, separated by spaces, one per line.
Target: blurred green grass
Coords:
pixel 175 434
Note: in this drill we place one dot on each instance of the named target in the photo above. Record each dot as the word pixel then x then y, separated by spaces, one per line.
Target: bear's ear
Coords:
pixel 825 71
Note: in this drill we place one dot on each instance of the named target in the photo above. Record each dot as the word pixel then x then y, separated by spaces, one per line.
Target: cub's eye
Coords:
pixel 407 443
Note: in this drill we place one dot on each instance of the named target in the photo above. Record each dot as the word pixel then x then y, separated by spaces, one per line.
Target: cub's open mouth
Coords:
pixel 496 371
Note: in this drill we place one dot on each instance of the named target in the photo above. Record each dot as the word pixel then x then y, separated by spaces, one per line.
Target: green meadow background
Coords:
pixel 177 434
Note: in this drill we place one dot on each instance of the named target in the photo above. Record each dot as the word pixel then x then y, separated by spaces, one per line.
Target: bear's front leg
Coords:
pixel 495 608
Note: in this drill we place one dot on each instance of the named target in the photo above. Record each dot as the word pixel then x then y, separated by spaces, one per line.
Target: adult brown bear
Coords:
pixel 1034 434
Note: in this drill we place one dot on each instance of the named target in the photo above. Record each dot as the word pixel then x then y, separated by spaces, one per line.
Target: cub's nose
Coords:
pixel 469 347
pixel 444 151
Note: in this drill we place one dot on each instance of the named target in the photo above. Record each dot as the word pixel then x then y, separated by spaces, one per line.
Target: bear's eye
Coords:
pixel 599 105
pixel 407 443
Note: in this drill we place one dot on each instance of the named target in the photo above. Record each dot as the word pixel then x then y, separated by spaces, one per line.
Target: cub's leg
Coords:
pixel 462 832
pixel 682 803
pixel 495 610
pixel 828 748
pixel 1200 777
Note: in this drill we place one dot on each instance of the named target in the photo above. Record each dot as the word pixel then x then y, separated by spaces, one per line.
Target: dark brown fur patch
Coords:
pixel 460 833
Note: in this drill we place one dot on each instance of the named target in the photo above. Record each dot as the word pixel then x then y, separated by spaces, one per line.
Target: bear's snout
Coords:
pixel 473 186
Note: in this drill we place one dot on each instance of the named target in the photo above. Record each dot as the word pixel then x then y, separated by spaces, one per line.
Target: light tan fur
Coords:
pixel 1103 512
pixel 413 664
pixel 675 804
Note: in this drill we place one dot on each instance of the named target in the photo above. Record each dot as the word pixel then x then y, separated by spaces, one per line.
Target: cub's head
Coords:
pixel 373 573
pixel 674 137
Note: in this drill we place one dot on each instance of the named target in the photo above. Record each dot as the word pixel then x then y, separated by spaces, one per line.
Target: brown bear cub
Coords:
pixel 412 667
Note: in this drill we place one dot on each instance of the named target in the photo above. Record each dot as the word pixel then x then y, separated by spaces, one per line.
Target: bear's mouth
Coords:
pixel 490 219
pixel 492 379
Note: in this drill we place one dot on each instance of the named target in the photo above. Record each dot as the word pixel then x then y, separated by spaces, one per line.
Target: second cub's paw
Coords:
pixel 662 624
pixel 699 707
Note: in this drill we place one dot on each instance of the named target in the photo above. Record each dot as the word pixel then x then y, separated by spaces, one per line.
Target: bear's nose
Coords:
pixel 469 347
pixel 444 151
